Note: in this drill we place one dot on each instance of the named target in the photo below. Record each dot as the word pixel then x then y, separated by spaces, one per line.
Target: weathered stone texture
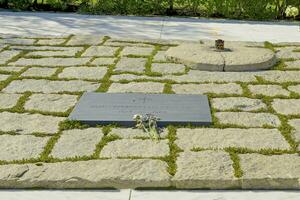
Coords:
pixel 280 76
pixel 131 65
pixel 61 51
pixel 238 103
pixel 270 172
pixel 85 40
pixel 39 72
pixel 239 58
pixel 8 100
pixel 5 56
pixel 135 148
pixel 103 61
pixel 206 169
pixel 50 102
pixel 3 77
pixel 287 106
pixel 160 57
pixel 254 138
pixel 168 68
pixel 229 88
pixel 295 88
pixel 146 87
pixel 46 86
pixel 19 147
pixel 123 173
pixel 19 41
pixel 137 51
pixel 100 51
pixel 288 52
pixel 295 123
pixel 77 143
pixel 293 64
pixel 11 69
pixel 130 133
pixel 48 62
pixel 248 119
pixel 52 41
pixel 29 123
pixel 205 76
pixel 268 90
pixel 94 73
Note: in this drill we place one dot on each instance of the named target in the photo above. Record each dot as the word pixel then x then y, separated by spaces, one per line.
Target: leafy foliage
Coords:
pixel 238 9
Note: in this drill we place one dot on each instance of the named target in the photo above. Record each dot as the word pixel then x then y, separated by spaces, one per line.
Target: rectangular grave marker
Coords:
pixel 109 108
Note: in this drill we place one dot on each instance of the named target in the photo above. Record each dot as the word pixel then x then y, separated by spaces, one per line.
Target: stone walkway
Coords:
pixel 129 194
pixel 178 28
pixel 253 143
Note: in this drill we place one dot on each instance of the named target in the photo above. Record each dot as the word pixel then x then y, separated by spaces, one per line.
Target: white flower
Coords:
pixel 136 117
pixel 292 11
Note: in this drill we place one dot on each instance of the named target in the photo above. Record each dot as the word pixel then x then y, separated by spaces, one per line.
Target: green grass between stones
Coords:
pixel 285 128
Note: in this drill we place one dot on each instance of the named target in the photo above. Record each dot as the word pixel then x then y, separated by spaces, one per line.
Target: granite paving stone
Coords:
pixel 168 68
pixel 140 87
pixel 48 62
pixel 288 52
pixel 6 55
pixel 131 65
pixel 50 102
pixel 206 76
pixel 8 100
pixel 11 69
pixel 135 148
pixel 238 103
pixel 85 40
pixel 295 88
pixel 253 138
pixel 268 90
pixel 248 119
pixel 295 124
pixel 280 76
pixel 160 57
pixel 204 170
pixel 100 51
pixel 18 41
pixel 25 123
pixel 270 172
pixel 126 44
pixel 94 73
pixel 293 64
pixel 103 61
pixel 70 51
pixel 53 41
pixel 286 106
pixel 229 88
pixel 132 77
pixel 77 142
pixel 3 77
pixel 137 51
pixel 131 133
pixel 2 46
pixel 47 86
pixel 39 72
pixel 19 147
pixel 45 48
pixel 114 173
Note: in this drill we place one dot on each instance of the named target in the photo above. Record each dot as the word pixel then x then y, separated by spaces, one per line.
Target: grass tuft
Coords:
pixel 270 46
pixel 174 151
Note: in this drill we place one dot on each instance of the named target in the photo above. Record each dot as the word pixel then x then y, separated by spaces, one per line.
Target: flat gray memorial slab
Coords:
pixel 107 108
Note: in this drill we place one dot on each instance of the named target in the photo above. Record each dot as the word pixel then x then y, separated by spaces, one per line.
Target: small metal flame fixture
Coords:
pixel 220 44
